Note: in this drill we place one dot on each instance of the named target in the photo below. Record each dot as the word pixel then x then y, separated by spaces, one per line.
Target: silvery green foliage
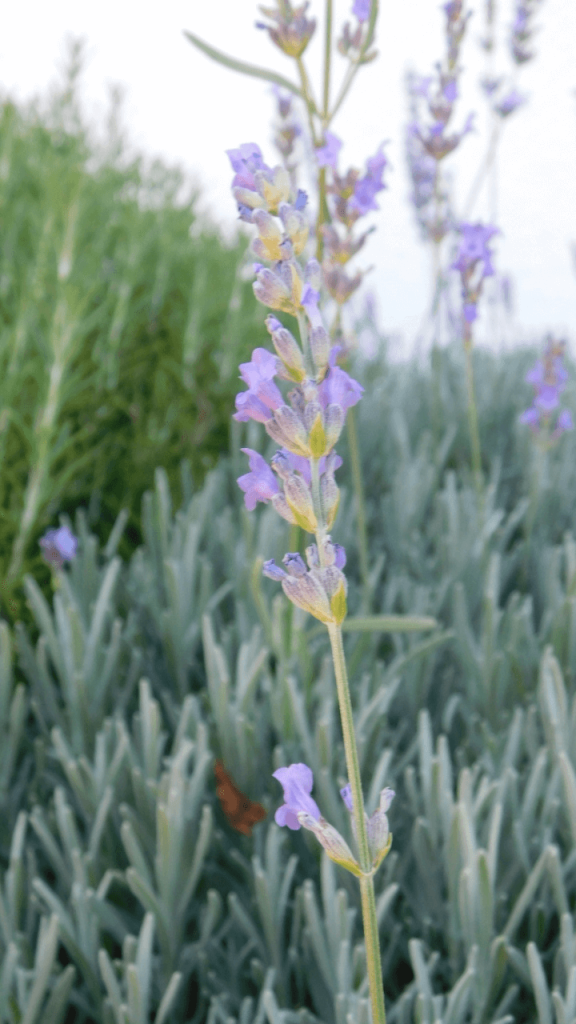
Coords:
pixel 119 872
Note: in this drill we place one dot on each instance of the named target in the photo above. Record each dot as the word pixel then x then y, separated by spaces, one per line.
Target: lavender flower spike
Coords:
pixel 58 546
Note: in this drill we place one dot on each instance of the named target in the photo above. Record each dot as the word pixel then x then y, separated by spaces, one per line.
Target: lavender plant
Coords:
pixel 308 421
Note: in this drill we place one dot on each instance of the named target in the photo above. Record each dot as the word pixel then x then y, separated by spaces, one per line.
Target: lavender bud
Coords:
pixel 245 197
pixel 273 571
pixel 287 429
pixel 283 509
pixel 273 186
pixel 287 348
pixel 295 226
pixel 312 556
pixel 333 423
pixel 294 564
pixel 330 495
pixel 308 593
pixel 281 464
pixel 267 245
pixel 336 847
pixel 300 502
pixel 313 274
pixel 320 348
pixel 271 291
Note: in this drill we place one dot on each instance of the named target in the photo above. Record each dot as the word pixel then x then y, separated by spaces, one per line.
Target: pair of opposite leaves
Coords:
pixel 242 813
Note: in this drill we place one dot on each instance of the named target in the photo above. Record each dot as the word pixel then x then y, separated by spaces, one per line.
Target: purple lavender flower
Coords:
pixel 509 103
pixel 548 377
pixel 361 9
pixel 565 421
pixel 273 571
pixel 338 387
pixel 58 546
pixel 259 484
pixel 263 395
pixel 327 155
pixel 366 188
pixel 292 30
pixel 245 161
pixel 297 781
pixel 310 299
pixel 474 248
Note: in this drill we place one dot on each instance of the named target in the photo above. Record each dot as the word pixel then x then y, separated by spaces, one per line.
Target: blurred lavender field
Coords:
pixel 182 107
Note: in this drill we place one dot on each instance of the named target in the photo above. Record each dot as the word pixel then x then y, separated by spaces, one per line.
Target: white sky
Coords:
pixel 182 107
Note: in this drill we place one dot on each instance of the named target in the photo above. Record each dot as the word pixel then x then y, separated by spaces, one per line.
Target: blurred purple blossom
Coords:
pixel 367 187
pixel 259 484
pixel 548 377
pixel 263 395
pixel 474 248
pixel 245 161
pixel 361 9
pixel 327 155
pixel 509 103
pixel 58 546
pixel 290 30
pixel 338 387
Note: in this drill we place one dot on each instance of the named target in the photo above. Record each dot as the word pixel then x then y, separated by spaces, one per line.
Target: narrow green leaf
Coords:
pixel 168 998
pixel 541 993
pixel 49 942
pixel 110 981
pixel 389 624
pixel 526 896
pixel 242 66
pixel 56 1007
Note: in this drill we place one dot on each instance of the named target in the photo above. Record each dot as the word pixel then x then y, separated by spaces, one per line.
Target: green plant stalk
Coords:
pixel 373 959
pixel 371 938
pixel 473 420
pixel 357 481
pixel 45 432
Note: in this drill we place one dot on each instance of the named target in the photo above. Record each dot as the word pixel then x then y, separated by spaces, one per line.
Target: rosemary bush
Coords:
pixel 116 353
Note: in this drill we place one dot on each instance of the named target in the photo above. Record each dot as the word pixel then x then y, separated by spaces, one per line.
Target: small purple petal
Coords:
pixel 547 397
pixel 361 9
pixel 295 564
pixel 259 484
pixel 327 155
pixel 565 420
pixel 346 794
pixel 273 571
pixel 251 408
pixel 531 417
pixel 297 781
pixel 339 556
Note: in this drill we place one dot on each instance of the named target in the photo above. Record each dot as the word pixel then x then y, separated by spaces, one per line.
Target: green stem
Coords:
pixel 327 58
pixel 473 421
pixel 371 938
pixel 482 171
pixel 360 506
pixel 368 901
pixel 354 65
pixel 308 99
